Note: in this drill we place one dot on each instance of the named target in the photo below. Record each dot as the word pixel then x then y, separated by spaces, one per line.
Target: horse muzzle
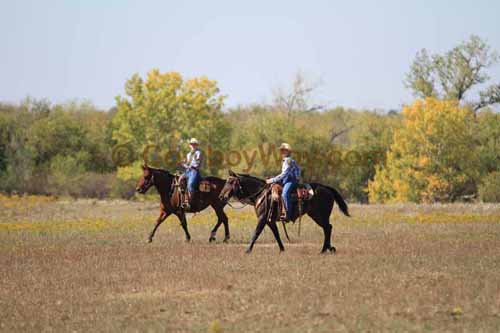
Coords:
pixel 224 198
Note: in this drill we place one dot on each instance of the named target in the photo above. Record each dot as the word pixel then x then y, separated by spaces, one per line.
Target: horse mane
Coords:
pixel 213 178
pixel 159 170
pixel 251 177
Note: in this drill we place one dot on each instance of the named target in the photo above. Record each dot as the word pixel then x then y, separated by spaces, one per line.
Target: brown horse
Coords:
pixel 170 197
pixel 252 190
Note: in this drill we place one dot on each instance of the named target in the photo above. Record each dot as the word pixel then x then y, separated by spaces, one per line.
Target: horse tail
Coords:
pixel 339 200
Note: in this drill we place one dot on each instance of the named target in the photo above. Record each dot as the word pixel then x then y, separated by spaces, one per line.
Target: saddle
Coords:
pixel 180 183
pixel 303 193
pixel 204 185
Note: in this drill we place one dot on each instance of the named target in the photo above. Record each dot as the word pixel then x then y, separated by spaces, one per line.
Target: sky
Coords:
pixel 358 50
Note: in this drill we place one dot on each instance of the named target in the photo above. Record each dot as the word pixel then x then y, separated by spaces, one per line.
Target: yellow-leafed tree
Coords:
pixel 432 157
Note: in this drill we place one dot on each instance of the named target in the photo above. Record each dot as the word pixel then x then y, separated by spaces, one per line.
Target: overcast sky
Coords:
pixel 62 50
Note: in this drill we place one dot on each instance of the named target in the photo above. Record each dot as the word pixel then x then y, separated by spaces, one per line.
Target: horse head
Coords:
pixel 231 188
pixel 146 180
pixel 241 186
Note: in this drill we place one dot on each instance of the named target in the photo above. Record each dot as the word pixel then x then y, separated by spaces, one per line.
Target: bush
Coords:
pixel 94 185
pixel 64 174
pixel 122 189
pixel 489 190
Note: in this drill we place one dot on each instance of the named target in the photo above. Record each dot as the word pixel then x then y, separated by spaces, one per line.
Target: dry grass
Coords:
pixel 85 266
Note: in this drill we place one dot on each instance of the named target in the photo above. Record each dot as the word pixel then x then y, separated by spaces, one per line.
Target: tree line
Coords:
pixel 444 146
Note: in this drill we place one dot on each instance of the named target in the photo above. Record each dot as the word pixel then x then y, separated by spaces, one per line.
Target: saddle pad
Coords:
pixel 304 192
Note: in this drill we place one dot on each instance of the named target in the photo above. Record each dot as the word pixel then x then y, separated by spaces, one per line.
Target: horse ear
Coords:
pixel 144 166
pixel 231 173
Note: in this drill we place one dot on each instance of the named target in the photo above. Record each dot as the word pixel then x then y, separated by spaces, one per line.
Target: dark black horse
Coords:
pixel 252 190
pixel 163 181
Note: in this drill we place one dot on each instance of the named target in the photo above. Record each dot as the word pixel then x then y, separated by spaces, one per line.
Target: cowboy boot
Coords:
pixel 283 216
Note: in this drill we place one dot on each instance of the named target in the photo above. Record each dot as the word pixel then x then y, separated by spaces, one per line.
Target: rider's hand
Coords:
pixel 269 181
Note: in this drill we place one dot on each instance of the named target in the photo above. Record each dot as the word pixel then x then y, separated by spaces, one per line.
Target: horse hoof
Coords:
pixel 226 240
pixel 248 251
pixel 213 237
pixel 333 250
pixel 150 240
pixel 188 240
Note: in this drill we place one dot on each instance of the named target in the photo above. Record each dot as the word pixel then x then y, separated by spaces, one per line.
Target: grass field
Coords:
pixel 85 266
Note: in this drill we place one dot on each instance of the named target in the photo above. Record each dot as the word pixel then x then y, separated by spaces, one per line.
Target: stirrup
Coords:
pixel 185 204
pixel 283 218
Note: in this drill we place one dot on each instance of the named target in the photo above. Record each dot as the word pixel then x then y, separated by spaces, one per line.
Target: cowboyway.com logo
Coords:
pixel 247 160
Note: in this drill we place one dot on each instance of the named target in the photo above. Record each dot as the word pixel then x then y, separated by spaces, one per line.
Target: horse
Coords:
pixel 171 201
pixel 254 191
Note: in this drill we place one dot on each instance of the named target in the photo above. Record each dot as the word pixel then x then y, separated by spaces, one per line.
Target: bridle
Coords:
pixel 147 184
pixel 242 191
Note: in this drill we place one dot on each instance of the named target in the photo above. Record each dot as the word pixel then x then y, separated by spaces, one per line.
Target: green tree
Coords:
pixel 489 188
pixel 487 139
pixel 456 73
pixel 17 168
pixel 165 110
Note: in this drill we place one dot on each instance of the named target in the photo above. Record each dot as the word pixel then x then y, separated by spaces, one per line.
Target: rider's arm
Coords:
pixel 284 171
pixel 297 172
pixel 196 160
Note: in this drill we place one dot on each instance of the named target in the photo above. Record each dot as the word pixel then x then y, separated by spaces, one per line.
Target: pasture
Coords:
pixel 85 266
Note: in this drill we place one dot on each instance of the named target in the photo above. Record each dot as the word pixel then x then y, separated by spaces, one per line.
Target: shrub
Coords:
pixel 122 189
pixel 94 185
pixel 489 189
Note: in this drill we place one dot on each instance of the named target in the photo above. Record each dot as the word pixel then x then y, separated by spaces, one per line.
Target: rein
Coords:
pixel 254 194
pixel 250 196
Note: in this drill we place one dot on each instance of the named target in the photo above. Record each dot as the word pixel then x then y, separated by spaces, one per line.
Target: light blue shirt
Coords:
pixel 289 169
pixel 193 159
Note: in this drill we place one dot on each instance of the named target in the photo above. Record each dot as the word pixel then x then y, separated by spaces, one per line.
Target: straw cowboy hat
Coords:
pixel 193 141
pixel 285 146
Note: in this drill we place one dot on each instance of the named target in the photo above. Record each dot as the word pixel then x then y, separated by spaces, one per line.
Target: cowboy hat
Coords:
pixel 285 146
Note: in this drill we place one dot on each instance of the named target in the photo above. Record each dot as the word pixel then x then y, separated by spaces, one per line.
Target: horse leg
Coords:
pixel 274 229
pixel 258 230
pixel 213 233
pixel 327 230
pixel 159 220
pixel 182 217
pixel 324 223
pixel 221 219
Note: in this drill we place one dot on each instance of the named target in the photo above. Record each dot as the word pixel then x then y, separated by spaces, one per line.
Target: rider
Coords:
pixel 192 167
pixel 289 178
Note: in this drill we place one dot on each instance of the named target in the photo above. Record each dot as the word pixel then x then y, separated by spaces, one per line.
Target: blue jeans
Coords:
pixel 193 179
pixel 287 197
